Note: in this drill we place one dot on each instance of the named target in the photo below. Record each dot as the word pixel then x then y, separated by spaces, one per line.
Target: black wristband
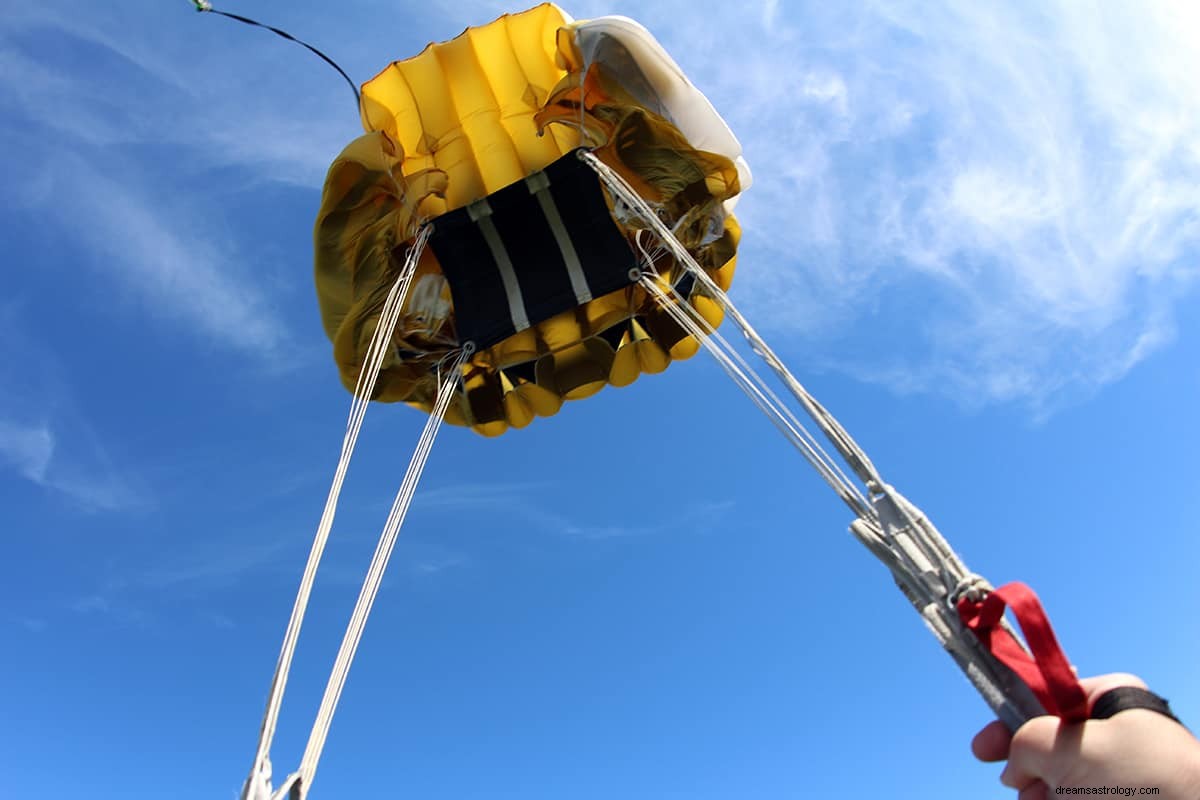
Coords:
pixel 1125 698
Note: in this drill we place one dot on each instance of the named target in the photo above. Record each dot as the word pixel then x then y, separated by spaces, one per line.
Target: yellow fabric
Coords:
pixel 466 106
pixel 459 121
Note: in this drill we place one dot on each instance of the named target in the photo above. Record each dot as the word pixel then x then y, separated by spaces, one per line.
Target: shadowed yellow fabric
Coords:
pixel 458 122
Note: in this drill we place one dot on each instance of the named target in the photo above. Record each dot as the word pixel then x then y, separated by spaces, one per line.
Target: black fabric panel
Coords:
pixel 526 371
pixel 603 250
pixel 683 287
pixel 481 308
pixel 476 290
pixel 486 402
pixel 537 261
pixel 614 334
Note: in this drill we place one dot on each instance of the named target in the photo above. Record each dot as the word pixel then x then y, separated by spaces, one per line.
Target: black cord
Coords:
pixel 289 37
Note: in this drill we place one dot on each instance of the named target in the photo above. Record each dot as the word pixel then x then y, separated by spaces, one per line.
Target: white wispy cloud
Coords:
pixel 532 504
pixel 32 624
pixel 198 573
pixel 27 449
pixel 180 273
pixel 474 494
pixel 992 202
pixel 692 518
pixel 30 450
pixel 190 94
pixel 44 439
pixel 159 245
pixel 220 562
pixel 434 566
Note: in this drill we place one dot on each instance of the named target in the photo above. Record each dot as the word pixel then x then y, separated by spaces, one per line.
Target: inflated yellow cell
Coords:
pixel 466 106
pixel 472 115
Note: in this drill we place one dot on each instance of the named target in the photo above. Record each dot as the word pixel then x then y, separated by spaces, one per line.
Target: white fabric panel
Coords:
pixel 683 104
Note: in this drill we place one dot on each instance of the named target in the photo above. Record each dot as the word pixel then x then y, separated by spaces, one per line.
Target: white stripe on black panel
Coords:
pixel 481 214
pixel 539 187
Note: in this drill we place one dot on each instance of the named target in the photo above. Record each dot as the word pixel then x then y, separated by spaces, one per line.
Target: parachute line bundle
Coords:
pixel 540 208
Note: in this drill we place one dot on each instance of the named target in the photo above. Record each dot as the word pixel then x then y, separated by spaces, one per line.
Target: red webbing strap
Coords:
pixel 1047 672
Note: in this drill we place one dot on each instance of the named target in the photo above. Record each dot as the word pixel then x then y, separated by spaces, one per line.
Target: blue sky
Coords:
pixel 973 233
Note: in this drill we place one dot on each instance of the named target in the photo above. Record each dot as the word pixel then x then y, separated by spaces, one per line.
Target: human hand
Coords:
pixel 1134 748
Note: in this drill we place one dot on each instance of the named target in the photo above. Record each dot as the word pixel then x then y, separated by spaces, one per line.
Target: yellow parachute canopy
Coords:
pixel 475 135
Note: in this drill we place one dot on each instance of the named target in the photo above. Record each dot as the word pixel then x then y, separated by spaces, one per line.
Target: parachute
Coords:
pixel 530 260
pixel 540 208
